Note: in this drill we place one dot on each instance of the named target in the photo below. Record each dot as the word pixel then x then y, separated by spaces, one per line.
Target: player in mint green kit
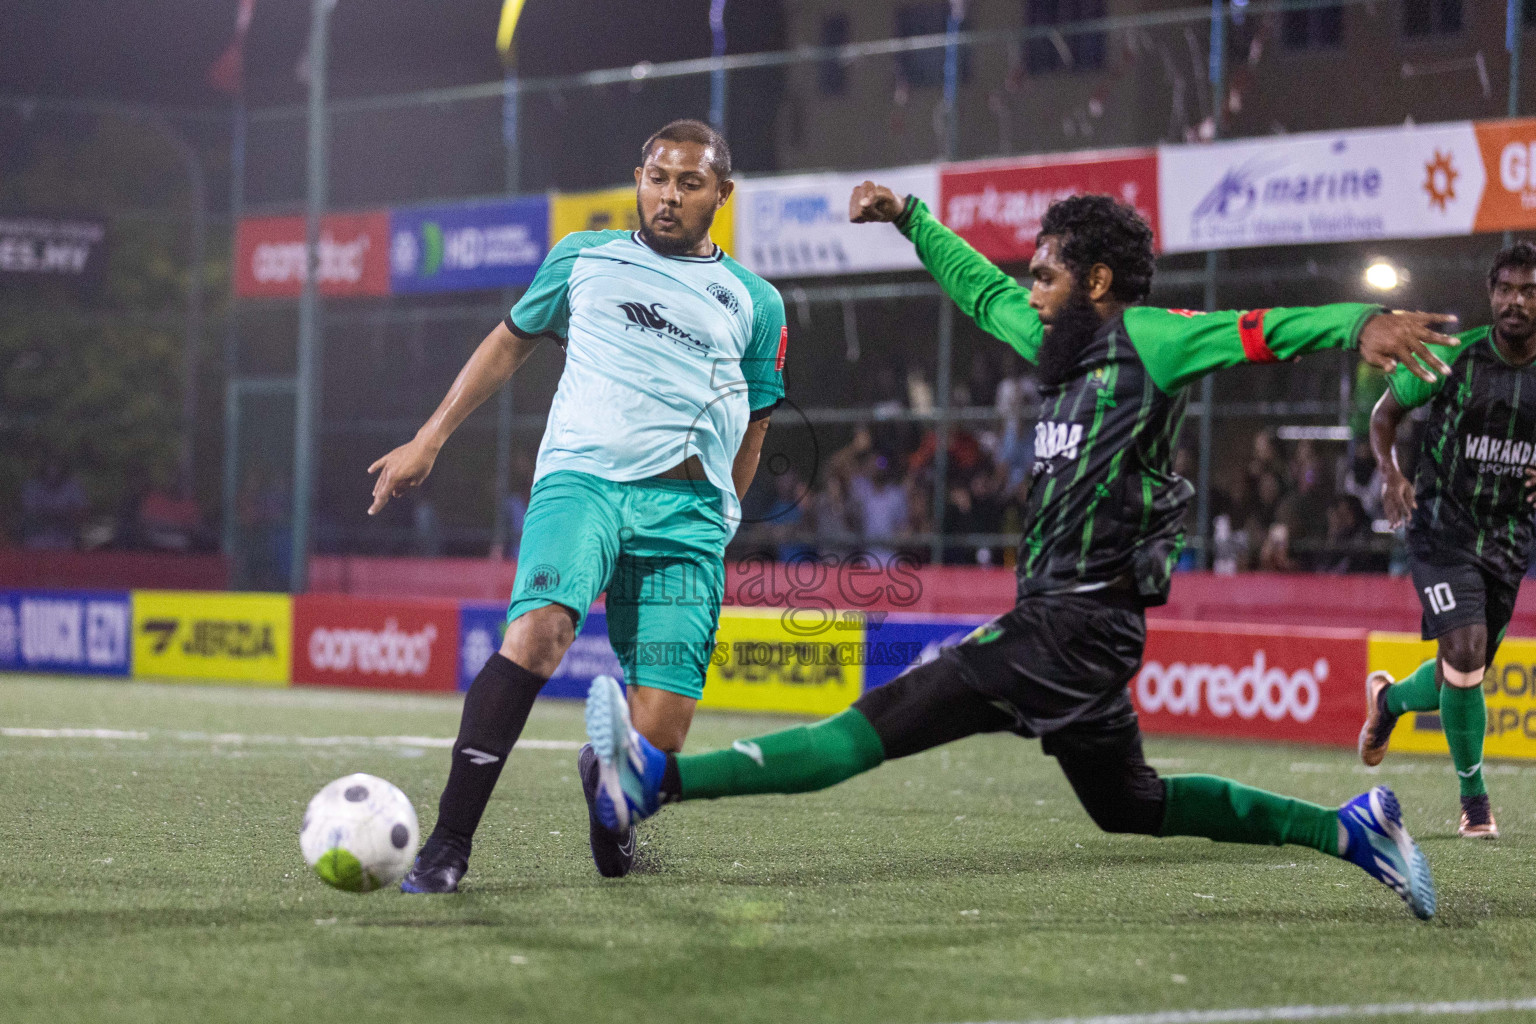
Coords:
pixel 674 356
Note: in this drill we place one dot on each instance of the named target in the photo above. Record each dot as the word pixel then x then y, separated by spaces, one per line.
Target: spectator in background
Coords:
pixel 170 520
pixel 1360 478
pixel 53 508
pixel 1306 507
pixel 1348 545
pixel 880 504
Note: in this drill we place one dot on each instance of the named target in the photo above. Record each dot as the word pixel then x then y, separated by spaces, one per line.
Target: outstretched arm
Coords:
pixel 1396 489
pixel 999 304
pixel 490 366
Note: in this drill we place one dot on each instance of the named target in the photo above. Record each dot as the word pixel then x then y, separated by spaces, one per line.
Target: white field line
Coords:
pixel 235 738
pixel 1241 1015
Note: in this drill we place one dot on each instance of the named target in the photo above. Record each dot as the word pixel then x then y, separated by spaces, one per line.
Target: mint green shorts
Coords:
pixel 656 547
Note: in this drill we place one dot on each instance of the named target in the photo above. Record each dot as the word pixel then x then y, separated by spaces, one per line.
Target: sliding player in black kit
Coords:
pixel 1101 535
pixel 1469 523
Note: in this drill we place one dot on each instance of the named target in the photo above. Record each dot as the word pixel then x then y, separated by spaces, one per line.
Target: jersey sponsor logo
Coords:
pixel 543 578
pixel 1498 455
pixel 648 318
pixel 1057 439
pixel 783 347
pixel 724 296
pixel 1255 689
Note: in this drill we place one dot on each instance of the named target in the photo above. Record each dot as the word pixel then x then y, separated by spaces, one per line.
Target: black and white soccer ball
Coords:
pixel 359 833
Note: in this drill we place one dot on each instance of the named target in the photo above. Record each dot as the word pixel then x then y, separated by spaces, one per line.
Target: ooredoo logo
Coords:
pixel 1255 689
pixel 284 262
pixel 386 652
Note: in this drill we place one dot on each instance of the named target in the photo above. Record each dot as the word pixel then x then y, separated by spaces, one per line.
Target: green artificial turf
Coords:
pixel 158 878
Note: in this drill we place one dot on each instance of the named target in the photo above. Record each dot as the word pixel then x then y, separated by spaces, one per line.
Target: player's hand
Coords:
pixel 871 204
pixel 399 471
pixel 1388 339
pixel 1530 485
pixel 1397 499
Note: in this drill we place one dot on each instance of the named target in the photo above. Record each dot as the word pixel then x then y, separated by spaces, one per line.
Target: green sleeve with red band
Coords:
pixel 998 303
pixel 1180 345
pixel 1411 391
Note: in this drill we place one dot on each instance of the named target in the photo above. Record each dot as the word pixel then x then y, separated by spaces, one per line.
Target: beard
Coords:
pixel 670 245
pixel 1072 328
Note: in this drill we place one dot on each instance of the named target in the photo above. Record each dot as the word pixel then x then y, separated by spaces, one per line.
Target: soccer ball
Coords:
pixel 359 833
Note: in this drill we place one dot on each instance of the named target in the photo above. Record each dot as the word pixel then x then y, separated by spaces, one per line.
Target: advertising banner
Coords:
pixel 761 665
pixel 996 205
pixel 481 627
pixel 65 631
pixel 467 246
pixel 1509 689
pixel 614 209
pixel 377 644
pixel 895 642
pixel 211 636
pixel 1402 182
pixel 797 226
pixel 354 256
pixel 1250 682
pixel 37 248
pixel 1509 167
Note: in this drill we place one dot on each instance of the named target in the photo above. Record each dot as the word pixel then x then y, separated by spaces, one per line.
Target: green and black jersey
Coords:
pixel 1106 508
pixel 1478 442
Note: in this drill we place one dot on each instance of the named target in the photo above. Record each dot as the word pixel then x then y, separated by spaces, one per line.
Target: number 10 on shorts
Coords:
pixel 1440 598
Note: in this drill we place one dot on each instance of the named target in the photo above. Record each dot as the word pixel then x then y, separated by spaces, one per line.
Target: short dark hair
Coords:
pixel 1521 255
pixel 689 130
pixel 1100 229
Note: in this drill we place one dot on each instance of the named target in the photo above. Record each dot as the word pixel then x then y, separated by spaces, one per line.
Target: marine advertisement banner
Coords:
pixel 65 631
pixel 797 226
pixel 341 640
pixel 613 209
pixel 1407 181
pixel 270 260
pixel 468 245
pixel 996 205
pixel 1509 689
pixel 1252 682
pixel 213 637
pixel 763 663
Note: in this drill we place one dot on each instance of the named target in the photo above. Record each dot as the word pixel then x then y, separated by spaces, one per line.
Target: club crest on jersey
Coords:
pixel 1056 439
pixel 648 318
pixel 725 297
pixel 1500 455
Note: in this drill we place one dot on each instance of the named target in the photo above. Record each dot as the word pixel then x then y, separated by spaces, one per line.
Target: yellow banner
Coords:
pixel 760 665
pixel 215 637
pixel 1509 688
pixel 614 209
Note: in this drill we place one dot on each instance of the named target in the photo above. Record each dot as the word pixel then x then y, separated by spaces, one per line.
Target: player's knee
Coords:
pixel 1139 813
pixel 1463 656
pixel 538 639
pixel 1462 679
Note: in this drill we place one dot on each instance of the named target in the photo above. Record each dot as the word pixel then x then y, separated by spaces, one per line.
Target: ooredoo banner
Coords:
pixel 797 226
pixel 65 631
pixel 354 255
pixel 468 246
pixel 996 205
pixel 1277 683
pixel 375 644
pixel 1408 181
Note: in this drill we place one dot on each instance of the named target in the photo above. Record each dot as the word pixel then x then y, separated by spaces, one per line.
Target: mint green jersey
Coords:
pixel 666 357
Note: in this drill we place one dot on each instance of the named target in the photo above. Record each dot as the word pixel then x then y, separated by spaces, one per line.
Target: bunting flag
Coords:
pixel 228 72
pixel 510 9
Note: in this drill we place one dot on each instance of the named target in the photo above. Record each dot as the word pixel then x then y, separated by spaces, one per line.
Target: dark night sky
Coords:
pixel 160 50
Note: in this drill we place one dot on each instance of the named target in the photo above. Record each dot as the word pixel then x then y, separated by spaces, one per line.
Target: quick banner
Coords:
pixel 65 631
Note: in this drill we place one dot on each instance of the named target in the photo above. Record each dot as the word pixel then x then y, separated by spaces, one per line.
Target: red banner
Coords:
pixel 997 205
pixel 1251 682
pixel 376 644
pixel 354 255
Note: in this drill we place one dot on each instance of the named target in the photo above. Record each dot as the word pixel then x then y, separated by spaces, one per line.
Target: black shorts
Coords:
pixel 1056 668
pixel 1457 592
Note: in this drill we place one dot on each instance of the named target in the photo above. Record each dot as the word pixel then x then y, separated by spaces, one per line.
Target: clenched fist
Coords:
pixel 871 204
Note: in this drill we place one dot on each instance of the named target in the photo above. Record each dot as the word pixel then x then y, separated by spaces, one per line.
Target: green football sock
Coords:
pixel 1464 717
pixel 798 760
pixel 1415 692
pixel 1229 812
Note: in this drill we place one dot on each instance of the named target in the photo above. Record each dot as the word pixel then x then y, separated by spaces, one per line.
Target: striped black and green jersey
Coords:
pixel 1479 439
pixel 1105 508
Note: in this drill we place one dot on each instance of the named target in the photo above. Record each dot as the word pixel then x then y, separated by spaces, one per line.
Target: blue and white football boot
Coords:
pixel 1380 844
pixel 629 769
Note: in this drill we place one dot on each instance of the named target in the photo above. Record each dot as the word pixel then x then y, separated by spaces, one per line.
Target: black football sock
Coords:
pixel 495 711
